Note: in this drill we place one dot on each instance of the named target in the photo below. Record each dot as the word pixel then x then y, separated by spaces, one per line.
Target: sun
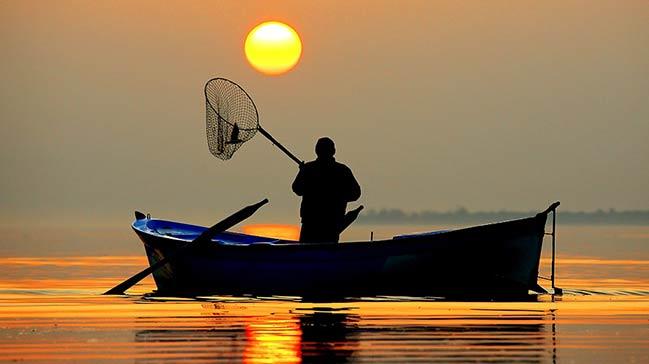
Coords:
pixel 273 48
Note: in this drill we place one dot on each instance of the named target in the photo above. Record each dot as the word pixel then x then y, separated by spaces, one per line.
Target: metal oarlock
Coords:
pixel 553 209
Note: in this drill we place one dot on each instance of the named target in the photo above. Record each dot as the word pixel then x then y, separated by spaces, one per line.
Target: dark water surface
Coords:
pixel 51 310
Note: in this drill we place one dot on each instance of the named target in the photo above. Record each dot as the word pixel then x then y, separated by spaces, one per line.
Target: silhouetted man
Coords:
pixel 325 186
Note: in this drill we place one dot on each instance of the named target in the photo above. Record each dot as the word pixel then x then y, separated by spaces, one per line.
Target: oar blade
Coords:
pixel 122 287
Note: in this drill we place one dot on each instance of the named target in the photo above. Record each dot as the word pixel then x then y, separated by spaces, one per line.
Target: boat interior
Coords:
pixel 186 232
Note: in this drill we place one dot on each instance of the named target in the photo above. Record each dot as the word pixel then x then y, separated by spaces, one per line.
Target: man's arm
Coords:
pixel 354 189
pixel 298 183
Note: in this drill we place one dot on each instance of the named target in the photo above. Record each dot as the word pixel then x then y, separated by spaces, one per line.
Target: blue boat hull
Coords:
pixel 498 259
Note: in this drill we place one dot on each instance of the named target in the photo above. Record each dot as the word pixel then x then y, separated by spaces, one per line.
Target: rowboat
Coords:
pixel 497 259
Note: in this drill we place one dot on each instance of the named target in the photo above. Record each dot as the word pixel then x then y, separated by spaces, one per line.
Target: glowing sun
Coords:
pixel 273 48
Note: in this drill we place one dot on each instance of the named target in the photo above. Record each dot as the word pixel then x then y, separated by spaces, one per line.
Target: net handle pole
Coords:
pixel 278 145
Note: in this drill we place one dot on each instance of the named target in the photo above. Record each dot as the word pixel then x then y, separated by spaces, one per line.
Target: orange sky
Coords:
pixel 434 105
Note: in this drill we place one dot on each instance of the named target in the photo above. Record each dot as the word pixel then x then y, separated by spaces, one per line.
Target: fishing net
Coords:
pixel 231 117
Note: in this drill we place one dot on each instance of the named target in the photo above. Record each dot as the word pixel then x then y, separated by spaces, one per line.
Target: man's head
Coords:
pixel 325 148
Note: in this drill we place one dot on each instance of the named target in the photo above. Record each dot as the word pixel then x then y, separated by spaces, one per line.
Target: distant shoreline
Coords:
pixel 462 215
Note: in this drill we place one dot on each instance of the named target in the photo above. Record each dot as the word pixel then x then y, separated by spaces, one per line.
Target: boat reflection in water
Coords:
pixel 329 337
pixel 326 335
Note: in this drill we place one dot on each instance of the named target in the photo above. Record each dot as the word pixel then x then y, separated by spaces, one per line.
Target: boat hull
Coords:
pixel 498 259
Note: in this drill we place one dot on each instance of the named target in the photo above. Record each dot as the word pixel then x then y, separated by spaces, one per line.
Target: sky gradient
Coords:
pixel 433 104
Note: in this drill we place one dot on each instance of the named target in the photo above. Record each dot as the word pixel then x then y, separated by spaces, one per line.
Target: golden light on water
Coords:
pixel 273 48
pixel 278 231
pixel 276 341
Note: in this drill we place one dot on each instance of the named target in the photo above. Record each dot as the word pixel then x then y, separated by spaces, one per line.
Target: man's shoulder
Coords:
pixel 309 165
pixel 341 165
pixel 317 163
pixel 337 166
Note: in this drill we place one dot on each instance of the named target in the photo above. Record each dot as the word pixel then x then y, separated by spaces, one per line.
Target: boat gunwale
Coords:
pixel 278 243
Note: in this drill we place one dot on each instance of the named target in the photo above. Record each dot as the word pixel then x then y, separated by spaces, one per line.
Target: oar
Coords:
pixel 206 236
pixel 350 217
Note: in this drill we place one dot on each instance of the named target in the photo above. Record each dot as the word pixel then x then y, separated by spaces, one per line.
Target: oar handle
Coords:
pixel 278 145
pixel 350 217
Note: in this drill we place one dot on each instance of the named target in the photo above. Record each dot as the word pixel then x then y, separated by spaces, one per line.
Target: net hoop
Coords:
pixel 231 117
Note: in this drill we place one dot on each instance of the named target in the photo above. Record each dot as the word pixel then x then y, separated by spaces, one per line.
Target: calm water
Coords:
pixel 51 310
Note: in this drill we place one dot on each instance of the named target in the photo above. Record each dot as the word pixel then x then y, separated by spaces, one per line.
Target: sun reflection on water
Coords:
pixel 273 341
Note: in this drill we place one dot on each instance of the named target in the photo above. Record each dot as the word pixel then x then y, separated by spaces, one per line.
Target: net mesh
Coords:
pixel 231 117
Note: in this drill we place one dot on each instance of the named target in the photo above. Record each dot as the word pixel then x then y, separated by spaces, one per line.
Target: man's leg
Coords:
pixel 308 233
pixel 319 233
